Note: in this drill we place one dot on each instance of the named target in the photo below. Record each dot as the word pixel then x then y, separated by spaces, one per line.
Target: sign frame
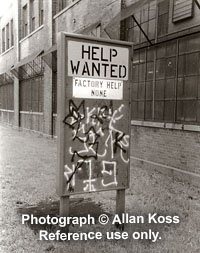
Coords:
pixel 62 79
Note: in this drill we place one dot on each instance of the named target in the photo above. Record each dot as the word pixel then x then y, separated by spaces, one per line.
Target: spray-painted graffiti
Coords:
pixel 98 145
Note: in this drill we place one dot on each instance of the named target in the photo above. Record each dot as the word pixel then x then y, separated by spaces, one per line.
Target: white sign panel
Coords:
pixel 97 61
pixel 97 88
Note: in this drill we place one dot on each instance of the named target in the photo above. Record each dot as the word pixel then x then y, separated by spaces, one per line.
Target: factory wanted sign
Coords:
pixel 93 115
pixel 91 61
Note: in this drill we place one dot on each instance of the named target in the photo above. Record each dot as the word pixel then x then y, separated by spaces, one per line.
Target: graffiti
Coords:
pixel 76 114
pixel 110 169
pixel 97 142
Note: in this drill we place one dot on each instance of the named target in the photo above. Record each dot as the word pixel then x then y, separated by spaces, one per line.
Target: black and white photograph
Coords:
pixel 100 126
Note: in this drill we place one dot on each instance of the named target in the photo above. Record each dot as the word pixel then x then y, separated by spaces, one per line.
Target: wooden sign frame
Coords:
pixel 64 86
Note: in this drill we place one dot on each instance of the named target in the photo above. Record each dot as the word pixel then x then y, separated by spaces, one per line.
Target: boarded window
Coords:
pixel 182 9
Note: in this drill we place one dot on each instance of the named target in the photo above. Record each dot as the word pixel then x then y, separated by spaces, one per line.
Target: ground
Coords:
pixel 27 176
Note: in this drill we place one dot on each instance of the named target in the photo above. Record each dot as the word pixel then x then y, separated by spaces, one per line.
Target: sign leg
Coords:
pixel 64 208
pixel 120 206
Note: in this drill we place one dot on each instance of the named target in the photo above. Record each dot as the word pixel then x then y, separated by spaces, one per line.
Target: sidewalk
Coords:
pixel 27 176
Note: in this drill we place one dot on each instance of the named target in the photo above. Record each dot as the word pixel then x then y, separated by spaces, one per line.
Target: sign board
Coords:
pixel 97 88
pixel 93 114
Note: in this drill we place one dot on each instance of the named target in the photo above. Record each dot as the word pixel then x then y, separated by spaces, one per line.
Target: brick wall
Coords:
pixel 167 150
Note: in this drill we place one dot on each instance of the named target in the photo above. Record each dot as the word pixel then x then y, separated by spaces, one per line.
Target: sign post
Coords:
pixel 93 117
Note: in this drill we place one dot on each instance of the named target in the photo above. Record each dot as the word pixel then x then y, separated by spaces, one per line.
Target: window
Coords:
pixel 163 17
pixel 166 82
pixel 7 36
pixel 3 40
pixel 32 86
pixel 182 9
pixel 54 92
pixel 7 96
pixel 32 24
pixel 31 94
pixel 32 15
pixel 61 4
pixel 25 22
pixel 146 18
pixel 12 32
pixel 41 12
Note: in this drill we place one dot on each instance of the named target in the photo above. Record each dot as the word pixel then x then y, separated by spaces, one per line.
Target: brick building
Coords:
pixel 166 71
pixel 28 32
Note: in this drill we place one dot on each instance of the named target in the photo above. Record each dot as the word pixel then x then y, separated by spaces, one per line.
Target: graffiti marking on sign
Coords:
pixel 93 128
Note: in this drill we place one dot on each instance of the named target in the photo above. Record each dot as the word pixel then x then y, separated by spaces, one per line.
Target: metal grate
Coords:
pixel 6 78
pixel 29 70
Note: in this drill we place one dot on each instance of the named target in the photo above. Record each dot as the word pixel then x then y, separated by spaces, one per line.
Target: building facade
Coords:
pixel 28 32
pixel 165 81
pixel 166 84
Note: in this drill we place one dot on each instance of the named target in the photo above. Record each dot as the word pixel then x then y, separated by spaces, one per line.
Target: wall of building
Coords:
pixel 8 57
pixel 173 152
pixel 165 95
pixel 184 24
pixel 81 14
pixel 36 41
pixel 166 26
pixel 7 60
